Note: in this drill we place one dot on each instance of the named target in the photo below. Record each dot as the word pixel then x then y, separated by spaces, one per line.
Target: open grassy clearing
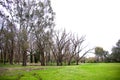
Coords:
pixel 88 71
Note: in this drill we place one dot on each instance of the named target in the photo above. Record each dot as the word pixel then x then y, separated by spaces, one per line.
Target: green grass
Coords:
pixel 87 71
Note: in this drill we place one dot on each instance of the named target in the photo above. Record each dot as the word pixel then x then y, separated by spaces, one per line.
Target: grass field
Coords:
pixel 87 71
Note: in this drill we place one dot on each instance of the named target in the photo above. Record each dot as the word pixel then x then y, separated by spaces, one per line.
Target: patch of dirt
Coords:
pixel 2 70
pixel 6 69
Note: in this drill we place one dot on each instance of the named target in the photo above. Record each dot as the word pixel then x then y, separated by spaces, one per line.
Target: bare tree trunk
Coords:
pixel 47 58
pixel 42 59
pixel 11 56
pixel 1 58
pixel 19 55
pixel 60 61
pixel 69 62
pixel 24 58
pixel 57 62
pixel 4 60
pixel 6 50
pixel 77 62
pixel 31 57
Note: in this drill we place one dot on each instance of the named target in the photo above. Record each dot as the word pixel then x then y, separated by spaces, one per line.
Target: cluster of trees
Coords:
pixel 101 55
pixel 115 55
pixel 27 34
pixel 104 56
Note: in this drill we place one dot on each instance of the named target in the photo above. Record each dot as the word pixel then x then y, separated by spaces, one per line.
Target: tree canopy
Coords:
pixel 115 56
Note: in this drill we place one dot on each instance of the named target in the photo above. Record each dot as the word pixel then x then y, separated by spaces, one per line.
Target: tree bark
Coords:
pixel 1 58
pixel 60 62
pixel 57 61
pixel 4 60
pixel 11 56
pixel 77 62
pixel 69 62
pixel 42 59
pixel 24 59
pixel 47 58
pixel 31 57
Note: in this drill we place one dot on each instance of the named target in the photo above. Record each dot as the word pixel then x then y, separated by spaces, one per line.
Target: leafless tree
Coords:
pixel 79 48
pixel 60 42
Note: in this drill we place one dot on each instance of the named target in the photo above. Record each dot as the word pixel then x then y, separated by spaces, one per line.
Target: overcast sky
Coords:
pixel 99 20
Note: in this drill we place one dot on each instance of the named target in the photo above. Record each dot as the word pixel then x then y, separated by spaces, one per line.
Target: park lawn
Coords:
pixel 87 71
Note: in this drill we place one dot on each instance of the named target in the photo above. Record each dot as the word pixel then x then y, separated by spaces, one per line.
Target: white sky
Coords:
pixel 99 20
